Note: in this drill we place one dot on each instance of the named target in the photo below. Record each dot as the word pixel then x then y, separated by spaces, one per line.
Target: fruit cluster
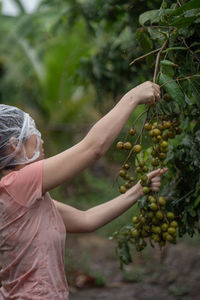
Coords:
pixel 154 220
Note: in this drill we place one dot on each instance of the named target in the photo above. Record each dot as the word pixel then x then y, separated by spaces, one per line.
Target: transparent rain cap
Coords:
pixel 16 126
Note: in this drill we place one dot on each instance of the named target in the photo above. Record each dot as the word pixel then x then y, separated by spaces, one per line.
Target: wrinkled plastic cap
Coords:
pixel 18 125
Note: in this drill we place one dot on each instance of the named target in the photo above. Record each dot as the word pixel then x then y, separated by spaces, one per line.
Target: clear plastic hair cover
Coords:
pixel 16 127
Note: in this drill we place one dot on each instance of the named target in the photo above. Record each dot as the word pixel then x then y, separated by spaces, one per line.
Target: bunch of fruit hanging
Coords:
pixel 155 223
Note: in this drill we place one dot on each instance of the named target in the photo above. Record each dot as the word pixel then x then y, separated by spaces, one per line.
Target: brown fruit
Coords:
pixel 147 126
pixel 122 173
pixel 127 166
pixel 137 148
pixel 122 189
pixel 132 131
pixel 127 145
pixel 120 145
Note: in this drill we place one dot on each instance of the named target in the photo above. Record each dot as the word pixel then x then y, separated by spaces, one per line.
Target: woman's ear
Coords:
pixel 13 143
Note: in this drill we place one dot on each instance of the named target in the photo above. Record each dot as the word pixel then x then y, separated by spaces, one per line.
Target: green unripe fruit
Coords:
pixel 164 144
pixel 156 132
pixel 170 215
pixel 132 131
pixel 164 227
pixel 162 156
pixel 155 162
pixel 147 126
pixel 171 230
pixel 147 228
pixel 137 148
pixel 169 237
pixel 162 200
pixel 165 234
pixel 122 189
pixel 151 199
pixel 161 127
pixel 143 220
pixel 145 169
pixel 164 150
pixel 135 233
pixel 139 170
pixel 165 136
pixel 135 220
pixel 127 176
pixel 151 133
pixel 144 233
pixel 127 145
pixel 156 229
pixel 127 166
pixel 153 206
pixel 164 163
pixel 167 124
pixel 146 190
pixel 159 215
pixel 174 224
pixel 141 164
pixel 155 221
pixel 122 173
pixel 144 178
pixel 155 237
pixel 120 145
pixel 128 185
pixel 154 153
pixel 150 215
pixel 155 140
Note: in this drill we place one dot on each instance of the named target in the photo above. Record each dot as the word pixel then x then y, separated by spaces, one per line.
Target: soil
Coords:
pixel 94 273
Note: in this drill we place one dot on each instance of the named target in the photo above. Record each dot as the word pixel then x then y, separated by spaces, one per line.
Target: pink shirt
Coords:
pixel 32 239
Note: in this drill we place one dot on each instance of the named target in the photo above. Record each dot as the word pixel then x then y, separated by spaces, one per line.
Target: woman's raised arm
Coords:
pixel 66 165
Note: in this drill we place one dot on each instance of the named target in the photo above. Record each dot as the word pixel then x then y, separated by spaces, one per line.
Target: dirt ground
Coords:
pixel 94 272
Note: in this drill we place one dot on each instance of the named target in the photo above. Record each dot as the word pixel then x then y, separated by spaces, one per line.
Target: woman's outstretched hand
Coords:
pixel 155 177
pixel 155 181
pixel 145 93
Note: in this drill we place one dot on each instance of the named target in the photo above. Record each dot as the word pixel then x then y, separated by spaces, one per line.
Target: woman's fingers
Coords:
pixel 157 172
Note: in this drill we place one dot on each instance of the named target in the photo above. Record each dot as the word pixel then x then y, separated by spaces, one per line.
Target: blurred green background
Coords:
pixel 67 63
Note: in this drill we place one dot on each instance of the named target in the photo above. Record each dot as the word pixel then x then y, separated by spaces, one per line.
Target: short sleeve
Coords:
pixel 25 185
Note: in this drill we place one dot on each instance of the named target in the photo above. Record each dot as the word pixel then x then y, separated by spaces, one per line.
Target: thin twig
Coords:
pixel 143 56
pixel 158 60
pixel 193 54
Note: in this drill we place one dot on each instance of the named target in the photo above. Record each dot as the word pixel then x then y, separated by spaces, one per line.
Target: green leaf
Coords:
pixel 197 201
pixel 168 63
pixel 20 6
pixel 153 16
pixel 144 41
pixel 183 22
pixel 174 49
pixel 188 100
pixel 172 88
pixel 192 212
pixel 195 89
pixel 189 5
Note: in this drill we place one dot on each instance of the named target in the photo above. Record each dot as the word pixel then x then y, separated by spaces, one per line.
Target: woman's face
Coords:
pixel 31 145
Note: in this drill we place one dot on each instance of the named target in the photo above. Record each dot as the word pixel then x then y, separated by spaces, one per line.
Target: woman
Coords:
pixel 32 225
